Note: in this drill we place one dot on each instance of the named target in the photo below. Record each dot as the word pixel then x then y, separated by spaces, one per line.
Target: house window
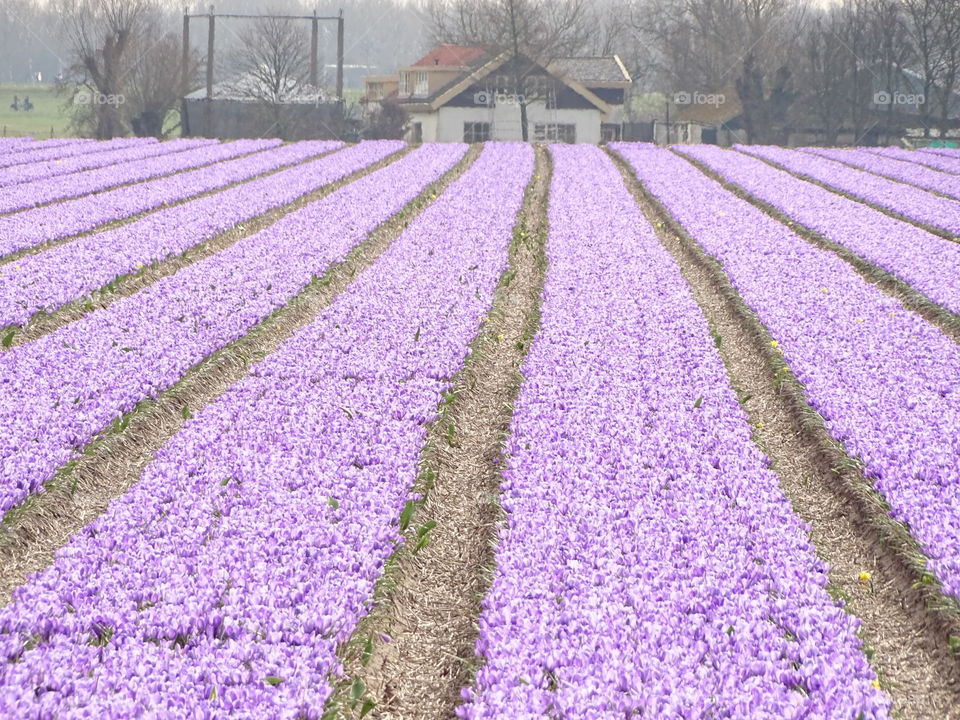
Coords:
pixel 555 132
pixel 417 132
pixel 422 87
pixel 609 132
pixel 476 132
pixel 404 84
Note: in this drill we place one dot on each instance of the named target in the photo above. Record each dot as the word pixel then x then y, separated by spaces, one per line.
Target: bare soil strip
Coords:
pixel 114 461
pixel 410 657
pixel 42 323
pixel 863 201
pixel 14 256
pixel 906 621
pixel 910 298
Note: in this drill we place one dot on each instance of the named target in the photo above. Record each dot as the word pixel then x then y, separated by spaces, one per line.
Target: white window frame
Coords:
pixel 422 87
pixel 476 132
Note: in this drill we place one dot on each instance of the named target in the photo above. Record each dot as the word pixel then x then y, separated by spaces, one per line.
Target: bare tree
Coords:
pixel 273 60
pixel 824 61
pixel 749 45
pixel 155 85
pixel 948 67
pixel 545 28
pixel 925 32
pixel 105 37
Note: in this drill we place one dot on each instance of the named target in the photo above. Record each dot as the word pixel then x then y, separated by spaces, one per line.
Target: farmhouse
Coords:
pixel 469 94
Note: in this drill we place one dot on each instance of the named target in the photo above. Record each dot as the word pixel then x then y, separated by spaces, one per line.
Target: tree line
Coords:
pixel 838 66
pixel 834 66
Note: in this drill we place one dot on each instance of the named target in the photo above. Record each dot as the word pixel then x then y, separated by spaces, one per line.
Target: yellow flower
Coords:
pixel 774 344
pixel 865 576
pixel 823 289
pixel 876 684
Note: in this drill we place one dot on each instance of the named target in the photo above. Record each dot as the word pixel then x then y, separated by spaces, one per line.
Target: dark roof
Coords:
pixel 486 63
pixel 586 70
pixel 451 56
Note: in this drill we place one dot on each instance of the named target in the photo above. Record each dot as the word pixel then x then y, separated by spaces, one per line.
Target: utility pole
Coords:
pixel 209 104
pixel 340 56
pixel 185 74
pixel 185 64
pixel 314 44
pixel 669 138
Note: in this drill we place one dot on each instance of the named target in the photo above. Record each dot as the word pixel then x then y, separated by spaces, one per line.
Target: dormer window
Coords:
pixel 422 88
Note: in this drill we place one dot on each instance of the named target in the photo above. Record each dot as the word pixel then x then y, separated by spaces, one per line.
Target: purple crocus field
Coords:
pixel 28 228
pixel 641 558
pixel 62 389
pixel 259 576
pixel 915 203
pixel 882 377
pixel 40 192
pixel 898 247
pixel 42 150
pixel 46 281
pixel 148 148
pixel 931 160
pixel 649 562
pixel 895 169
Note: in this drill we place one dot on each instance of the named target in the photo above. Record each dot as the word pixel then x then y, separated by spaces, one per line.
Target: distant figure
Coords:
pixel 27 105
pixel 15 105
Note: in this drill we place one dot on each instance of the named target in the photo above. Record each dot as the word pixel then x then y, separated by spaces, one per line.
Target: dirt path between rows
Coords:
pixel 415 651
pixel 905 644
pixel 113 462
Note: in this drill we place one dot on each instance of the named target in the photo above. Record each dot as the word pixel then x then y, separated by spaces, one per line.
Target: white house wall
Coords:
pixel 505 121
pixel 428 125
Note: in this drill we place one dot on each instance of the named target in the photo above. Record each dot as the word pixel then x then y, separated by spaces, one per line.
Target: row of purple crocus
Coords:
pixel 895 169
pixel 88 161
pixel 945 152
pixel 911 202
pixel 222 583
pixel 41 192
pixel 216 166
pixel 48 280
pixel 12 144
pixel 59 391
pixel 937 162
pixel 902 249
pixel 649 564
pixel 41 150
pixel 883 378
pixel 23 156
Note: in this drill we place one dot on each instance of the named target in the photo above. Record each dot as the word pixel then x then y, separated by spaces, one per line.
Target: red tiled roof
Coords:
pixel 451 56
